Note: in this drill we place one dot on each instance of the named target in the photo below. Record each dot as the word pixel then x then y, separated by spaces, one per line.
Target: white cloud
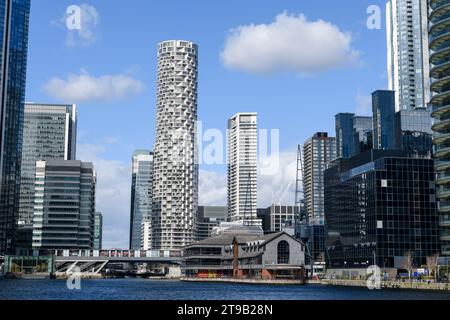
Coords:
pixel 290 43
pixel 279 188
pixel 113 194
pixel 212 188
pixel 363 104
pixel 86 33
pixel 84 87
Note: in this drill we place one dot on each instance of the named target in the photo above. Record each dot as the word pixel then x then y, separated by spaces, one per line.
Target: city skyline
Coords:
pixel 109 149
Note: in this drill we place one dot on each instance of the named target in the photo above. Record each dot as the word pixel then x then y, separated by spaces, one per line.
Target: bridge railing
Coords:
pixel 118 253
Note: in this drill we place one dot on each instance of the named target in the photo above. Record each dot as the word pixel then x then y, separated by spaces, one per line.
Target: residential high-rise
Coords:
pixel 439 44
pixel 408 57
pixel 243 167
pixel 64 211
pixel 380 209
pixel 384 131
pixel 351 134
pixel 141 195
pixel 318 151
pixel 175 174
pixel 98 231
pixel 49 133
pixel 14 22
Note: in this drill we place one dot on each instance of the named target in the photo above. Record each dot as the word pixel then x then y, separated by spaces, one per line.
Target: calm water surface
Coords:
pixel 140 289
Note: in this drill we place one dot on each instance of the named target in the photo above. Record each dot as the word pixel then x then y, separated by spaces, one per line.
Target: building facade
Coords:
pixel 278 217
pixel 439 44
pixel 274 256
pixel 64 211
pixel 141 196
pixel 14 23
pixel 208 218
pixel 243 167
pixel 414 134
pixel 384 130
pixel 380 208
pixel 351 134
pixel 362 134
pixel 408 57
pixel 344 135
pixel 98 231
pixel 175 173
pixel 318 151
pixel 49 133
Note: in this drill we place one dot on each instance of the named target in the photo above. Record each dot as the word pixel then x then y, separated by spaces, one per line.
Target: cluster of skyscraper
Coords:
pixel 371 194
pixel 377 191
pixel 164 192
pixel 47 198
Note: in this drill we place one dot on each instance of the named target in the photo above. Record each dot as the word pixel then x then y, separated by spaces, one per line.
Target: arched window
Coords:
pixel 283 252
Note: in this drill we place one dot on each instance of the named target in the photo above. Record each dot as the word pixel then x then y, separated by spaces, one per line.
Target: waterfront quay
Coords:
pixel 410 285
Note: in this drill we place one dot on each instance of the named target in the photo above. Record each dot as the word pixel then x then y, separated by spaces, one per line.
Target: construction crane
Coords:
pixel 302 227
pixel 248 202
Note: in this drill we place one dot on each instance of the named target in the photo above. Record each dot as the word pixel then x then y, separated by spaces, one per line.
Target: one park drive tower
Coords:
pixel 175 175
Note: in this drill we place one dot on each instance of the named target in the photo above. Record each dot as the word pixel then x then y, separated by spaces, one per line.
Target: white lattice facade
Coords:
pixel 175 184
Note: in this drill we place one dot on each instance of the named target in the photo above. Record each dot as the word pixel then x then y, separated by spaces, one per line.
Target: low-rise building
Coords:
pixel 244 255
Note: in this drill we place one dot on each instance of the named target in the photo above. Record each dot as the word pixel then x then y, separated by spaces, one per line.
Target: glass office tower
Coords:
pixel 383 107
pixel 49 132
pixel 14 21
pixel 351 134
pixel 344 135
pixel 439 43
pixel 64 211
pixel 381 206
pixel 414 133
pixel 141 196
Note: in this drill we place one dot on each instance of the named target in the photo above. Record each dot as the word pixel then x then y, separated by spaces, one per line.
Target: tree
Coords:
pixel 432 264
pixel 407 262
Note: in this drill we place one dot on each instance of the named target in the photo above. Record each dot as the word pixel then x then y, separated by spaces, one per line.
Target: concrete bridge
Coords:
pixel 93 262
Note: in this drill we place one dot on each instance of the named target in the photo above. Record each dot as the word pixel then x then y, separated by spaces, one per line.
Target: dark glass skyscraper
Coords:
pixel 381 206
pixel 414 132
pixel 383 107
pixel 351 134
pixel 344 135
pixel 14 21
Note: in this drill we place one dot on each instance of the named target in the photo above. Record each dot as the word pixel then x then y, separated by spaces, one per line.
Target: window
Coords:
pixel 283 252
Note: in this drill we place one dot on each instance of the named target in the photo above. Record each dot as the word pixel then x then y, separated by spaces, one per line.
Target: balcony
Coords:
pixel 444 207
pixel 443 192
pixel 444 220
pixel 440 111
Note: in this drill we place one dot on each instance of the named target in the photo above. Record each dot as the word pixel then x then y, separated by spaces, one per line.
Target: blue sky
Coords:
pixel 116 55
